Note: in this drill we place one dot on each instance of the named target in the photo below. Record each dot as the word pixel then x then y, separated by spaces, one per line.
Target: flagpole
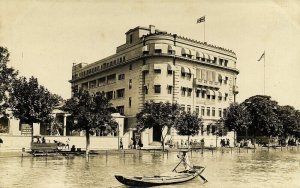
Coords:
pixel 264 73
pixel 204 31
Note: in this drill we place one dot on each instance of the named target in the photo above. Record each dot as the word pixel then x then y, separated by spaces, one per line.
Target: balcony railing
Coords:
pixel 207 83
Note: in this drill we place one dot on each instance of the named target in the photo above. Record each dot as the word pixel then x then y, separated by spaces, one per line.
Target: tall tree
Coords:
pixel 158 115
pixel 288 118
pixel 89 112
pixel 7 76
pixel 31 102
pixel 188 124
pixel 236 118
pixel 263 117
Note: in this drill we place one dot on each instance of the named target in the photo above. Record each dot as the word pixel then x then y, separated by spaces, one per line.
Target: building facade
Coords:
pixel 159 66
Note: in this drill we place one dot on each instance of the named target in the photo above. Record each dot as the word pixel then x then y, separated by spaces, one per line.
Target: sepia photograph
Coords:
pixel 136 93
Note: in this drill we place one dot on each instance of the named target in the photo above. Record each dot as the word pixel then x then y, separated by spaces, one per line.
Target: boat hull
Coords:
pixel 149 181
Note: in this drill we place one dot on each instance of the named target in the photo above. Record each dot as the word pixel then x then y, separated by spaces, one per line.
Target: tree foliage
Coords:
pixel 89 112
pixel 7 76
pixel 188 124
pixel 31 102
pixel 289 120
pixel 236 118
pixel 160 115
pixel 263 117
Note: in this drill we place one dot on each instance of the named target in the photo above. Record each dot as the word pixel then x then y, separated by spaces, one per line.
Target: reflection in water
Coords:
pixel 223 169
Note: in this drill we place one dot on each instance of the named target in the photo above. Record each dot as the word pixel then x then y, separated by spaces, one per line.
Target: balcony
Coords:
pixel 205 83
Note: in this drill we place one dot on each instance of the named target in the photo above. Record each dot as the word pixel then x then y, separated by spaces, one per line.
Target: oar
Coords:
pixel 176 166
pixel 203 178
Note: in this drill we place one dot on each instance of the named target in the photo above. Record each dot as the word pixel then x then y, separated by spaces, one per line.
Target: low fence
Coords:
pixel 96 143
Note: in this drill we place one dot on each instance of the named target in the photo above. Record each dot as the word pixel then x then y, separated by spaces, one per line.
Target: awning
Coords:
pixel 171 48
pixel 206 56
pixel 209 92
pixel 215 93
pixel 145 48
pixel 200 55
pixel 171 67
pixel 185 51
pixel 157 66
pixel 201 89
pixel 193 52
pixel 185 70
pixel 158 46
pixel 211 57
pixel 145 68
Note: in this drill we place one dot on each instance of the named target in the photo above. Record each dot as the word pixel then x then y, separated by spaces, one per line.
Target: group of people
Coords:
pixel 135 145
pixel 225 142
pixel 39 141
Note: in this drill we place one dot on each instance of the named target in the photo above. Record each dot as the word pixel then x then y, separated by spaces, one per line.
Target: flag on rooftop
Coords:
pixel 202 19
pixel 262 56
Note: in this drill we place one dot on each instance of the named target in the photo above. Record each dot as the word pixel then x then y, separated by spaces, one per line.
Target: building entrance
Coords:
pixel 156 134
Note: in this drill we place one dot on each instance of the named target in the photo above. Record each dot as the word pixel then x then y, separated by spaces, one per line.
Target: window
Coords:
pixel 226 96
pixel 130 38
pixel 226 80
pixel 120 59
pixel 224 112
pixel 120 109
pixel 170 72
pixel 225 63
pixel 220 112
pixel 213 112
pixel 188 108
pixel 129 102
pixel 123 58
pixel 189 93
pixel 208 96
pixel 157 89
pixel 213 96
pixel 157 71
pixel 130 83
pixel 197 110
pixel 202 111
pixel 189 75
pixel 101 81
pixel 203 94
pixel 182 107
pixel 158 51
pixel 208 129
pixel 208 111
pixel 145 89
pixel 170 88
pixel 197 93
pixel 120 93
pixel 183 74
pixel 121 76
pixel 171 52
pixel 221 62
pixel 110 95
pixel 215 60
pixel 130 66
pixel 111 78
pixel 183 89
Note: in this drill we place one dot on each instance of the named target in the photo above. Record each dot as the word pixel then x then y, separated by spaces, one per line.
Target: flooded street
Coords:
pixel 223 169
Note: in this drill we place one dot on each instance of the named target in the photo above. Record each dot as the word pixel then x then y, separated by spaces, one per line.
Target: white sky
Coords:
pixel 46 37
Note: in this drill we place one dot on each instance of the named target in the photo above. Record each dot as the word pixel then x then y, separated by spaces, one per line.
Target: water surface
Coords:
pixel 223 169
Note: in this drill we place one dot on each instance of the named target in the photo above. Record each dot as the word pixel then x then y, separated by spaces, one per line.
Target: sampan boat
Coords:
pixel 164 179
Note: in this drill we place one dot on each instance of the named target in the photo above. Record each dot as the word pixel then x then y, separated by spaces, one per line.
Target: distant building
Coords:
pixel 155 65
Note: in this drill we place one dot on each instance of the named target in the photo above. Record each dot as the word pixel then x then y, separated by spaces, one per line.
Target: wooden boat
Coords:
pixel 148 181
pixel 165 179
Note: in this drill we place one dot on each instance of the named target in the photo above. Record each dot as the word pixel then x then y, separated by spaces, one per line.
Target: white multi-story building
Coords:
pixel 159 66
